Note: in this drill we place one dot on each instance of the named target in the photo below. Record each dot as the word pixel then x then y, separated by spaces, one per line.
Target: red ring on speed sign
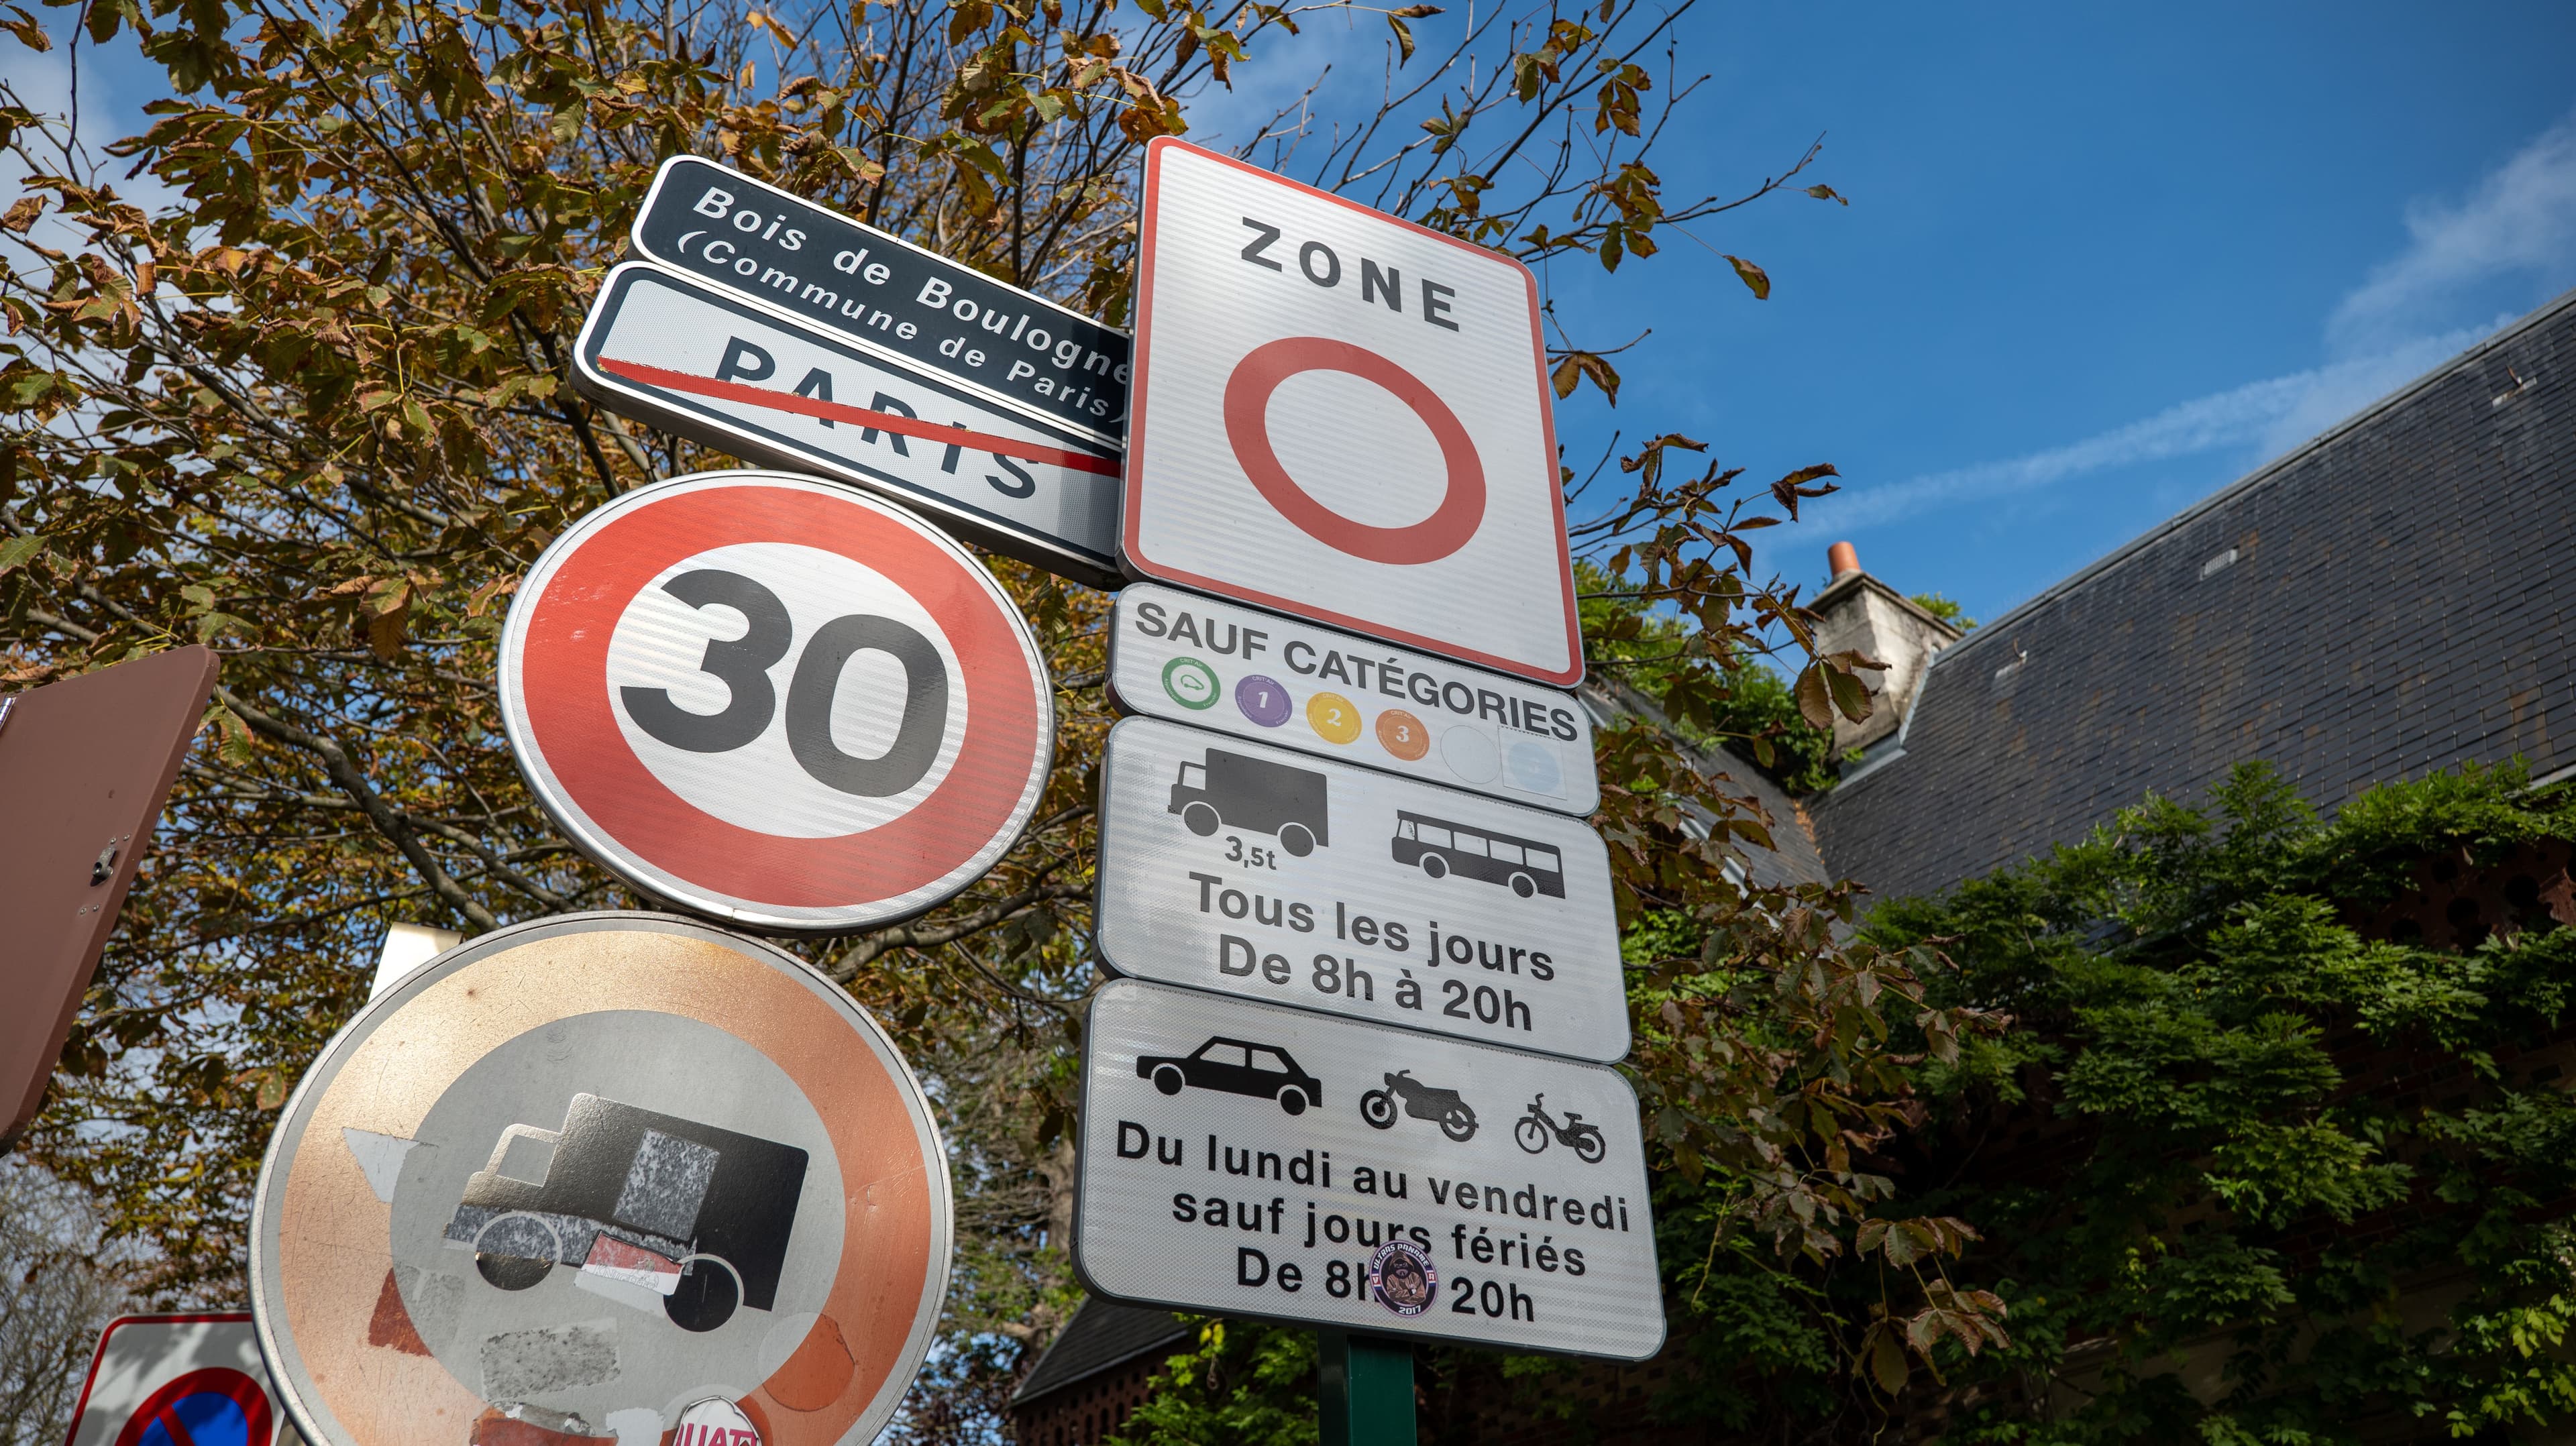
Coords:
pixel 1247 427
pixel 562 714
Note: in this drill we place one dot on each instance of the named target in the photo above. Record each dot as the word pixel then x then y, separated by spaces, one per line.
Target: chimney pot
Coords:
pixel 1842 558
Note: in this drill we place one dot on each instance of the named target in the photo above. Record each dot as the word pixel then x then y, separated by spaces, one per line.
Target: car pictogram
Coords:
pixel 1235 1067
pixel 653 1203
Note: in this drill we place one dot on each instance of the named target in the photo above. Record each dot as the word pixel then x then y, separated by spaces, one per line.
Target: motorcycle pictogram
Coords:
pixel 1423 1102
pixel 1534 1128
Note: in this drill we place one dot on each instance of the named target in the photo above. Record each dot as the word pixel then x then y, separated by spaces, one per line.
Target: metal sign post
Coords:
pixel 1367 1390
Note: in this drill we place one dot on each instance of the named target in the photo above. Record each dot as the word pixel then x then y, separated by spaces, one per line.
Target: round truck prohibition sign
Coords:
pixel 776 702
pixel 599 1178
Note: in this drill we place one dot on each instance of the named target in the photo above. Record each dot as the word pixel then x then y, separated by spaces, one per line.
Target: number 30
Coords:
pixel 742 665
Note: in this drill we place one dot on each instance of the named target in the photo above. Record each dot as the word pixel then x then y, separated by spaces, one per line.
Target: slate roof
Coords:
pixel 2391 598
pixel 1102 1334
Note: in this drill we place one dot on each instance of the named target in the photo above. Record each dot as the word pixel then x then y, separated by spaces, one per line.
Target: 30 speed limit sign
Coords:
pixel 774 701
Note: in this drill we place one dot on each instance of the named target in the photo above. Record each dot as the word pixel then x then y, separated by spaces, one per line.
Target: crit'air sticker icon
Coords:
pixel 602 1177
pixel 1191 683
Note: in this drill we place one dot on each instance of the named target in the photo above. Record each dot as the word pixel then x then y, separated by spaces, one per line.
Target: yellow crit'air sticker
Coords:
pixel 1333 717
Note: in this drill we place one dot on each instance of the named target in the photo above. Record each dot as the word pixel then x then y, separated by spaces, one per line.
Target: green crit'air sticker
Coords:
pixel 1191 683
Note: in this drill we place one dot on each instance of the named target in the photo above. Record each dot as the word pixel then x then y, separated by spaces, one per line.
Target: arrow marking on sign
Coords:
pixel 838 412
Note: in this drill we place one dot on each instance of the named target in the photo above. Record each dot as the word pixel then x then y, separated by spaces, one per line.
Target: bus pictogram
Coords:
pixel 1440 847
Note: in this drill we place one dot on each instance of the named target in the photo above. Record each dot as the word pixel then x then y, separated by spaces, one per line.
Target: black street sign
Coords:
pixel 886 295
pixel 746 380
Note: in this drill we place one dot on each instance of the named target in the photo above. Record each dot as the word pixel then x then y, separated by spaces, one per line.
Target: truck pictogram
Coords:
pixel 1235 790
pixel 644 1204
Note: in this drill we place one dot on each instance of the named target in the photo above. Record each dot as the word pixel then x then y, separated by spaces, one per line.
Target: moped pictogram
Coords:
pixel 1585 1140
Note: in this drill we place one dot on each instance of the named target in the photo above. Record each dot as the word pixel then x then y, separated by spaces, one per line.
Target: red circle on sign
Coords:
pixel 561 675
pixel 220 1382
pixel 1247 427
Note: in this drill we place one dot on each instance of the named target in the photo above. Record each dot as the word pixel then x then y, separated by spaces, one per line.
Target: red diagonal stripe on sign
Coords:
pixel 174 1428
pixel 837 412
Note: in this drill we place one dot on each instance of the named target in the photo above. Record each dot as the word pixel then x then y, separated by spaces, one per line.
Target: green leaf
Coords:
pixel 1403 38
pixel 16 551
pixel 1887 1365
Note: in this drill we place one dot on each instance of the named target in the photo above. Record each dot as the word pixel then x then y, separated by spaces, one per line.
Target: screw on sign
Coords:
pixel 771 700
pixel 607 1177
pixel 1345 417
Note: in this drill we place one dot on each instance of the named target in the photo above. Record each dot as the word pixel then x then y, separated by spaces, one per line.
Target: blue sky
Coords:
pixel 2099 261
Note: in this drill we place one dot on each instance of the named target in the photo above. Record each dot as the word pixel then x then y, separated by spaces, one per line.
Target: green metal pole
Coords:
pixel 1367 1390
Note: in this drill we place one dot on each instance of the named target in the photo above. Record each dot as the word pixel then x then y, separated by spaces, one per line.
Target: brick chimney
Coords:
pixel 1858 613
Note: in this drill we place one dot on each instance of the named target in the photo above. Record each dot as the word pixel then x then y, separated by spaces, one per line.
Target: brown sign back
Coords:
pixel 85 765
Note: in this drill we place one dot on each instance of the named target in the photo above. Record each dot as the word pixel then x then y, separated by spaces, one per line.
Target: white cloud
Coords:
pixel 2519 222
pixel 2270 416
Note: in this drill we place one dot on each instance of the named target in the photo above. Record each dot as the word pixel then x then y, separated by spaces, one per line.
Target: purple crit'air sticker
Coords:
pixel 1262 700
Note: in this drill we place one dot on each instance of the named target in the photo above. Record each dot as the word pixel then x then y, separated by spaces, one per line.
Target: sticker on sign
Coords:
pixel 740 378
pixel 1257 1161
pixel 1257 675
pixel 1344 416
pixel 1230 866
pixel 775 701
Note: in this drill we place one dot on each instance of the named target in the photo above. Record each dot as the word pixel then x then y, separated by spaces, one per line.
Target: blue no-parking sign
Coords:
pixel 178 1380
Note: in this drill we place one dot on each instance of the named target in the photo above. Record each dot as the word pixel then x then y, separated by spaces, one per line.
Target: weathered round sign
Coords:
pixel 593 1179
pixel 775 701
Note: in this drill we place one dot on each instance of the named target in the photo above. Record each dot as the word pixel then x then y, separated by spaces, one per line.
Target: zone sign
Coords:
pixel 1345 417
pixel 775 701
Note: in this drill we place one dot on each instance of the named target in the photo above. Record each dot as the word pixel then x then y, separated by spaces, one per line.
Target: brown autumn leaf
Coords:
pixel 1756 280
